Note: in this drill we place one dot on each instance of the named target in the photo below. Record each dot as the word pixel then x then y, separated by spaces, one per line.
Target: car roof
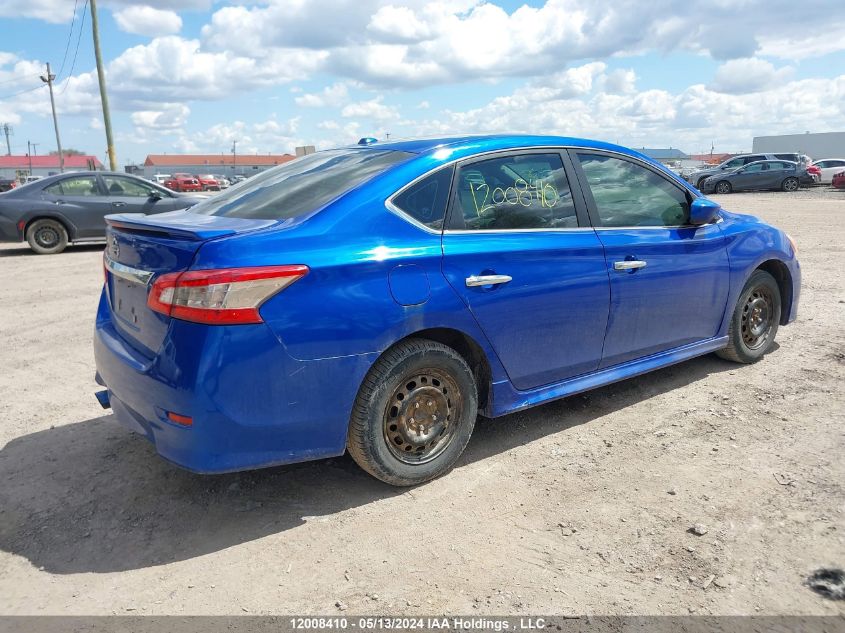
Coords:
pixel 471 144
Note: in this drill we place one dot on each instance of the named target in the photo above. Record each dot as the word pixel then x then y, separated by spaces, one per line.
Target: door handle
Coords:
pixel 118 204
pixel 632 264
pixel 487 280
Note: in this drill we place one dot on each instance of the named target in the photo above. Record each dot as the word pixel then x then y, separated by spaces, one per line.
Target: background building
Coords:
pixel 215 164
pixel 816 146
pixel 21 166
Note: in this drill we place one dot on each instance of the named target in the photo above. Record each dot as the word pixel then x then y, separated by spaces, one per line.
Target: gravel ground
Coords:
pixel 581 506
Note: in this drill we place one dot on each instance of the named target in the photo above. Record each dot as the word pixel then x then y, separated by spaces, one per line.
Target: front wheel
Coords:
pixel 47 237
pixel 414 413
pixel 755 320
pixel 790 184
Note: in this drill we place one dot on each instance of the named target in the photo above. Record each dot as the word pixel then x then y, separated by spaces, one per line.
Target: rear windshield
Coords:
pixel 300 186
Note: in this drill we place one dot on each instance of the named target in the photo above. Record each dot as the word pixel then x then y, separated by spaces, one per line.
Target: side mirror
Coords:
pixel 155 195
pixel 703 211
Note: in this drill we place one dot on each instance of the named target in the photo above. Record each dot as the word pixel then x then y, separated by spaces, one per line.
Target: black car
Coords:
pixel 763 174
pixel 54 211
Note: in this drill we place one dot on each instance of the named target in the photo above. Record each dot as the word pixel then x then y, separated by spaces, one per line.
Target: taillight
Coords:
pixel 225 296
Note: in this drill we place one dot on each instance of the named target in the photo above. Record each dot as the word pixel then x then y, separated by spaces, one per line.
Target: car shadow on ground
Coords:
pixel 23 250
pixel 91 497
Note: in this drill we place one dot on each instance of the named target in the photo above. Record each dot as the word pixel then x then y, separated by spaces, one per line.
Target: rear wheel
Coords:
pixel 790 184
pixel 414 413
pixel 47 236
pixel 723 186
pixel 755 320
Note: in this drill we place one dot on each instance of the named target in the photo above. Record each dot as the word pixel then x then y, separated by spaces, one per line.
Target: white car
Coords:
pixel 160 178
pixel 828 167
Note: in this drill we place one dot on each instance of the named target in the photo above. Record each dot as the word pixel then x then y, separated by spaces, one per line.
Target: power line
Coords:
pixel 73 65
pixel 69 37
pixel 15 94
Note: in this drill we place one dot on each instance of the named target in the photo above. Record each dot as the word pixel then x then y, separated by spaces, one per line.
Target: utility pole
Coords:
pixel 49 81
pixel 35 148
pixel 29 155
pixel 8 129
pixel 234 155
pixel 101 75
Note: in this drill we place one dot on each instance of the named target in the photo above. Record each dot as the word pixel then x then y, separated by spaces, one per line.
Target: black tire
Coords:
pixel 723 186
pixel 790 184
pixel 414 375
pixel 755 320
pixel 47 236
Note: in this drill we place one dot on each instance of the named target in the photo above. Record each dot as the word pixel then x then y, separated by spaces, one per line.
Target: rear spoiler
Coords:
pixel 185 225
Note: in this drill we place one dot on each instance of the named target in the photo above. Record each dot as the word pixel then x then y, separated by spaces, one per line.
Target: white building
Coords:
pixel 214 164
pixel 816 146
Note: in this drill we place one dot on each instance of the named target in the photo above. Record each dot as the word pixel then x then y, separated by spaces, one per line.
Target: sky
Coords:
pixel 188 76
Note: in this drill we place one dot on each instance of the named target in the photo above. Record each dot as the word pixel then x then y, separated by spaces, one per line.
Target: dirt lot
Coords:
pixel 580 506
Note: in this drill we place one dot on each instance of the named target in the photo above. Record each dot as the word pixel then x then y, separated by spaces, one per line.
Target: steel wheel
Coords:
pixel 790 184
pixel 757 318
pixel 47 237
pixel 414 413
pixel 419 421
pixel 723 187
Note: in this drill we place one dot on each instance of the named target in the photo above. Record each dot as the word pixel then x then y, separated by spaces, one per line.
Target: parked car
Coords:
pixel 7 184
pixel 762 175
pixel 235 179
pixel 160 178
pixel 222 181
pixel 698 176
pixel 54 211
pixel 828 168
pixel 815 173
pixel 838 180
pixel 183 183
pixel 463 275
pixel 208 182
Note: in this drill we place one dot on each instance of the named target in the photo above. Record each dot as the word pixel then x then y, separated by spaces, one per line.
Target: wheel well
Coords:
pixel 48 217
pixel 471 353
pixel 780 272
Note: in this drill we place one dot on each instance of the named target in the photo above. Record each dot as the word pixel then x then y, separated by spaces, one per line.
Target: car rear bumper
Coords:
pixel 252 404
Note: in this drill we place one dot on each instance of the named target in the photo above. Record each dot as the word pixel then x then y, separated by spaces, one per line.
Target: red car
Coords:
pixel 815 172
pixel 839 180
pixel 208 183
pixel 183 182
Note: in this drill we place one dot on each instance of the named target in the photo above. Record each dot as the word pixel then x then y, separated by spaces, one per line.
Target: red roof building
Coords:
pixel 12 166
pixel 213 164
pixel 212 160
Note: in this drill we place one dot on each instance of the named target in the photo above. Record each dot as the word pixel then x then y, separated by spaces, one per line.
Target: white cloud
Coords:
pixel 372 109
pixel 171 116
pixel 334 95
pixel 399 24
pixel 416 43
pixel 742 76
pixel 620 81
pixel 146 20
pixel 688 119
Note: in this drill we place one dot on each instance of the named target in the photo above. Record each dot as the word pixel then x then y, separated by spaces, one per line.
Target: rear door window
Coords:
pixel 523 191
pixel 302 185
pixel 76 186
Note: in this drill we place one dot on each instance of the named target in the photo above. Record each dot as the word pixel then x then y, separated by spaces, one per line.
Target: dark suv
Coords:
pixel 698 176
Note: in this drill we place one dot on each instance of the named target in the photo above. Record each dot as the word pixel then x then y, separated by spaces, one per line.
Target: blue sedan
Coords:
pixel 378 298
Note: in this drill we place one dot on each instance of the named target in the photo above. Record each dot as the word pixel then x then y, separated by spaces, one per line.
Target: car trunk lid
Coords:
pixel 141 247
